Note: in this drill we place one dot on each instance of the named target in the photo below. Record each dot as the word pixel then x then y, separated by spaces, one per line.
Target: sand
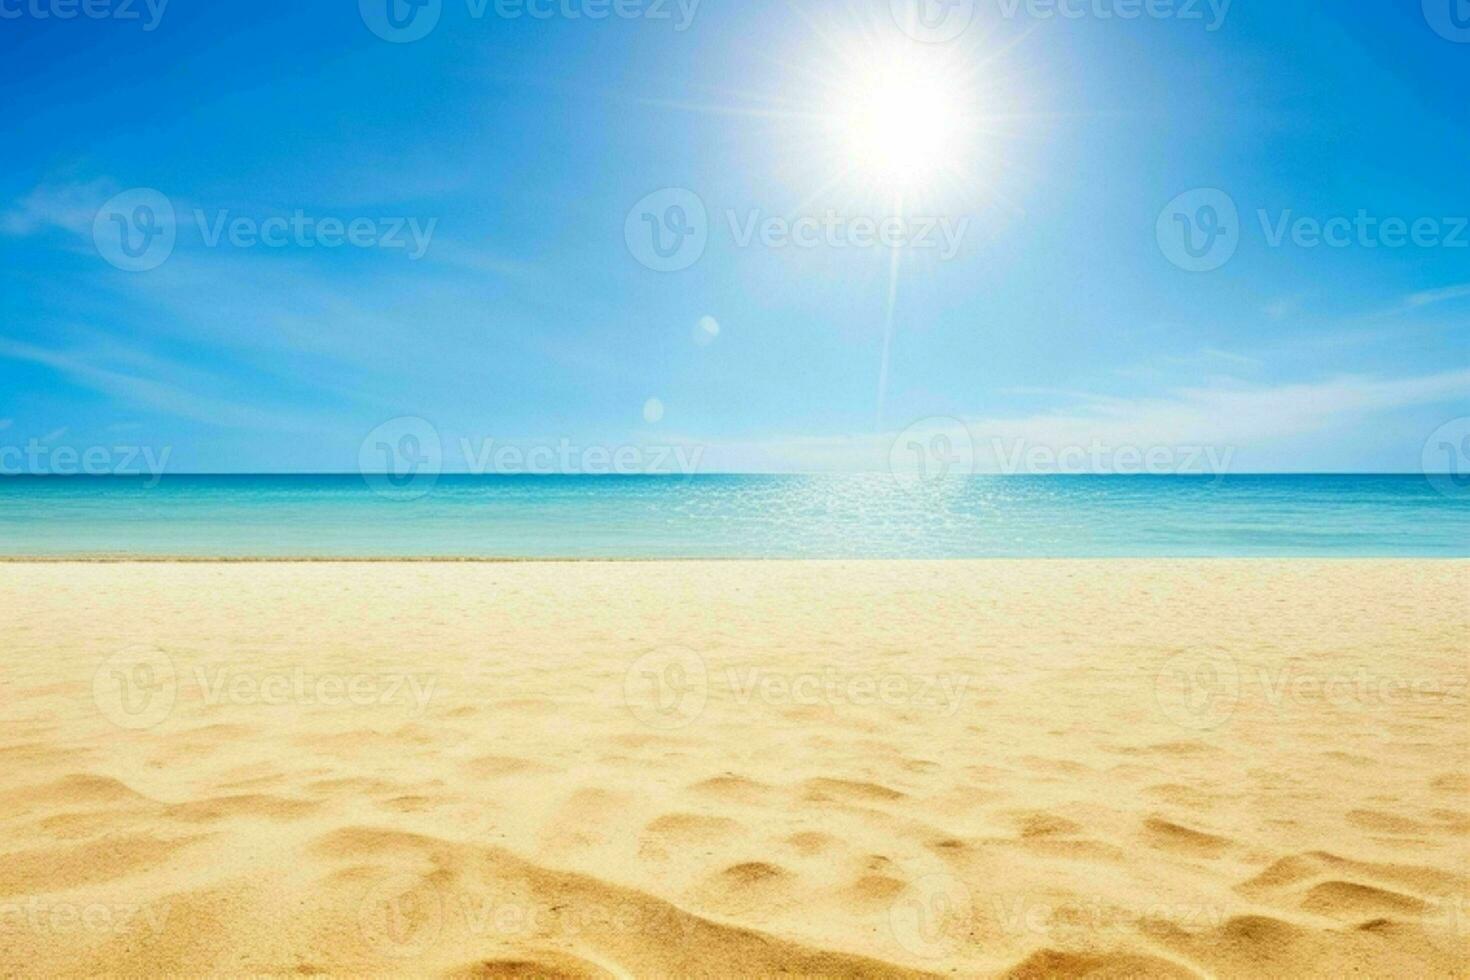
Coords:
pixel 1109 769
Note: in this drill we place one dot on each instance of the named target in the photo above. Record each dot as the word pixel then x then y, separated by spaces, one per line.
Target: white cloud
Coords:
pixel 1248 420
pixel 69 206
pixel 161 396
pixel 1432 296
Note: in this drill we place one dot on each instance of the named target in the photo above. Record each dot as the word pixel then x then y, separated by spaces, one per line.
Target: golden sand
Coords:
pixel 1012 768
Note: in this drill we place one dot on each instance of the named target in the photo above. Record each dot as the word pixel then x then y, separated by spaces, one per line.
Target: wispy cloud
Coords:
pixel 1224 414
pixel 167 398
pixel 69 206
pixel 1432 296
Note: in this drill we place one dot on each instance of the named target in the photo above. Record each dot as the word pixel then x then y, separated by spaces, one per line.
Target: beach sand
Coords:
pixel 1113 769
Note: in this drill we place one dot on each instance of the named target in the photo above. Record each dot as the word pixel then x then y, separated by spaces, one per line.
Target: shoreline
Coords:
pixel 716 560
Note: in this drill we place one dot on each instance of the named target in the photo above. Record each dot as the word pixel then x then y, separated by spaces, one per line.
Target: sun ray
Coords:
pixel 874 124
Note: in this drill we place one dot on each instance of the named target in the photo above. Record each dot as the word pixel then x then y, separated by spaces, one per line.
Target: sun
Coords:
pixel 900 123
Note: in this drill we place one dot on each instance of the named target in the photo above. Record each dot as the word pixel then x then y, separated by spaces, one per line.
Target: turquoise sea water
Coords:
pixel 736 516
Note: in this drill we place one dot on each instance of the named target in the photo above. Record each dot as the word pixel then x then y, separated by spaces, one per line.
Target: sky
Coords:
pixel 647 223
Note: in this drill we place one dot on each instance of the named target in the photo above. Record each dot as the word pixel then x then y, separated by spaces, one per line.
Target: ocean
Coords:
pixel 735 517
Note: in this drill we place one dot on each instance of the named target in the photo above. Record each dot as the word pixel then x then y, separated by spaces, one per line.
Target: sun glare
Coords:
pixel 901 125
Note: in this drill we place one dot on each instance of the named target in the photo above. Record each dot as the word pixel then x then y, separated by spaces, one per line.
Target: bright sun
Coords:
pixel 901 124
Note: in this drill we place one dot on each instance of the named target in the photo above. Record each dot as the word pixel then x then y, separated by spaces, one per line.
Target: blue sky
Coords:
pixel 516 146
